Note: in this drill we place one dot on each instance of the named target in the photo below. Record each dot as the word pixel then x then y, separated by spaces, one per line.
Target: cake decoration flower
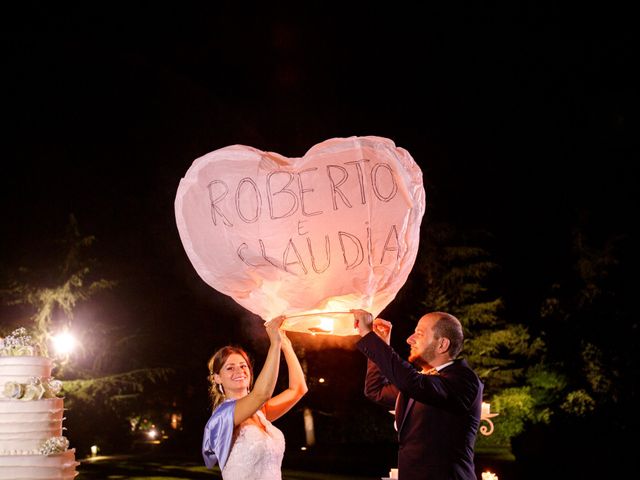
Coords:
pixel 13 390
pixel 54 387
pixel 18 344
pixel 54 445
pixel 35 389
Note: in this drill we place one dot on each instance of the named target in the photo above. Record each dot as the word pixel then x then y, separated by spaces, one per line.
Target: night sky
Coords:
pixel 519 116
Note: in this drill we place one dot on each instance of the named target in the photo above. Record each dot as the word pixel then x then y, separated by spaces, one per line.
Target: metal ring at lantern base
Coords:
pixel 315 329
pixel 314 314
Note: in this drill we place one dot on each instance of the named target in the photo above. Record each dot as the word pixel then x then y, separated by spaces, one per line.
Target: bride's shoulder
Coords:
pixel 223 410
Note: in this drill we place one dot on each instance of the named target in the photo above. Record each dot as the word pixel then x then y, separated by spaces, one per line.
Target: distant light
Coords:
pixel 94 450
pixel 321 380
pixel 64 343
pixel 176 420
pixel 153 433
pixel 303 448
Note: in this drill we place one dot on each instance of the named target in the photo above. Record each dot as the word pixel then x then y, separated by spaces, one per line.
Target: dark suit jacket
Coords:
pixel 437 416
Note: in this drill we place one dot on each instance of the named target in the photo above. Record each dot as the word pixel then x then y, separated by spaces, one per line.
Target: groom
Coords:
pixel 437 408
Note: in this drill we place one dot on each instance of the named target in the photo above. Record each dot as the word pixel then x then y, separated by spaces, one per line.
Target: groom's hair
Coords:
pixel 449 327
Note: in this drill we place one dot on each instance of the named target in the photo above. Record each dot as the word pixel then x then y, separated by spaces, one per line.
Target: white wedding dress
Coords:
pixel 256 453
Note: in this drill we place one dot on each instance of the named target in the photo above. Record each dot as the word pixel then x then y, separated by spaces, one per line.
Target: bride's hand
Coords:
pixel 273 328
pixel 286 341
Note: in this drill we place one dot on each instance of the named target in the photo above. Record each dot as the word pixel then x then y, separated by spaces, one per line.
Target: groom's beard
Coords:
pixel 417 360
pixel 424 358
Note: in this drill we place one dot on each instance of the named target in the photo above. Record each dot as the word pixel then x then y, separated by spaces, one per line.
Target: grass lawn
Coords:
pixel 140 467
pixel 159 466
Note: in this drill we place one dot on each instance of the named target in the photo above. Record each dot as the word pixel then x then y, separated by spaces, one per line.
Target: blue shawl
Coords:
pixel 216 443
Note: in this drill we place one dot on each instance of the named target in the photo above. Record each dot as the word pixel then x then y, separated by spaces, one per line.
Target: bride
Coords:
pixel 239 435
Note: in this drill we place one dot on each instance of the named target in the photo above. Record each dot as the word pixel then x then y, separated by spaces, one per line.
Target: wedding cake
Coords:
pixel 31 414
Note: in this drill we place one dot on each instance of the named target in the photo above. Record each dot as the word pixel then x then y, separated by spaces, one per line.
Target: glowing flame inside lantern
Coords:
pixel 321 323
pixel 325 326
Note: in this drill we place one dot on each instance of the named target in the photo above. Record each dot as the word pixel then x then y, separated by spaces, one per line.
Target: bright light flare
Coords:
pixel 64 343
pixel 152 434
pixel 326 324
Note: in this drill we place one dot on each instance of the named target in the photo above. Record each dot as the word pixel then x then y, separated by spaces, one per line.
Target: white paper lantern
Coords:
pixel 310 238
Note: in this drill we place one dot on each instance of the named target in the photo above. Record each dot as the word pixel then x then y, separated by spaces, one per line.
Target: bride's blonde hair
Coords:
pixel 216 362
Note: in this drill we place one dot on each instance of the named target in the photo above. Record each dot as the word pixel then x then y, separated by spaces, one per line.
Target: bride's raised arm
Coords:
pixel 265 382
pixel 282 403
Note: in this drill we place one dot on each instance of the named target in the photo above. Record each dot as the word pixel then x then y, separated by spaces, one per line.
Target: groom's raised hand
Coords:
pixel 363 321
pixel 383 329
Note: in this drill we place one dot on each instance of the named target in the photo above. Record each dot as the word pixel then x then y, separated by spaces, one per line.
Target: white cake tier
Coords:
pixel 39 467
pixel 32 410
pixel 27 442
pixel 21 369
pixel 25 425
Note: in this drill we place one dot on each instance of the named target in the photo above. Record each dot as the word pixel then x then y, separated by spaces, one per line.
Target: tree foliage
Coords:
pixel 461 278
pixel 588 314
pixel 102 402
pixel 108 411
pixel 71 285
pixel 592 338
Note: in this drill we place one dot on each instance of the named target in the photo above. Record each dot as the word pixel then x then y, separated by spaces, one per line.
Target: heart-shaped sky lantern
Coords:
pixel 310 238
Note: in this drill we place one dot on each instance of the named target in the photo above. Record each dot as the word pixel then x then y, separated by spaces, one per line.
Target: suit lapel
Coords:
pixel 406 411
pixel 403 407
pixel 402 410
pixel 399 411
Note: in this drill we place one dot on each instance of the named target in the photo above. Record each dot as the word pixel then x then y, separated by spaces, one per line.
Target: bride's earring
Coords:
pixel 221 389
